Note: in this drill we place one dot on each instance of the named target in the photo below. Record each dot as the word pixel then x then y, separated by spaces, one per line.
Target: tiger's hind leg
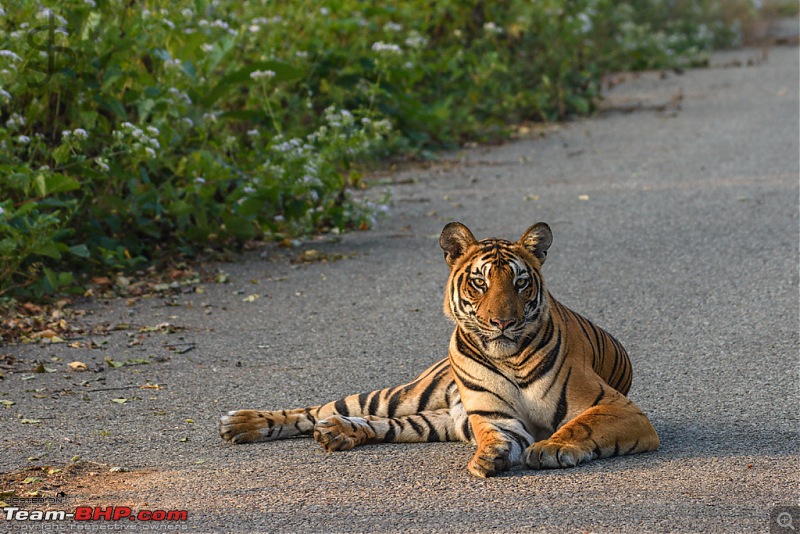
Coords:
pixel 342 433
pixel 248 426
pixel 430 391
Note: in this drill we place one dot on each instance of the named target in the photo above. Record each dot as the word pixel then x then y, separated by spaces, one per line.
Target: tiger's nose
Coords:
pixel 502 324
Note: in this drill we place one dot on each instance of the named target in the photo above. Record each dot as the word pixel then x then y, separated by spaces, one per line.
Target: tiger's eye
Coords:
pixel 521 283
pixel 479 283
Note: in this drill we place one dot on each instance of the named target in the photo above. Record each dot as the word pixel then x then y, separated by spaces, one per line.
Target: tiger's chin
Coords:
pixel 501 347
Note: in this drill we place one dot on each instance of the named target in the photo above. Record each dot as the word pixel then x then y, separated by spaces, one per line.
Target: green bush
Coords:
pixel 175 126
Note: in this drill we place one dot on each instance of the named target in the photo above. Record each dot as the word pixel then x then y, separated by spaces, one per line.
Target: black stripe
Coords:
pixel 466 429
pixel 544 365
pixel 362 401
pixel 492 414
pixel 519 438
pixel 561 408
pixel 416 426
pixel 373 403
pixel 341 407
pixel 309 416
pixel 425 396
pixel 555 377
pixel 473 386
pixel 394 401
pixel 433 434
pixel 599 396
pixel 390 434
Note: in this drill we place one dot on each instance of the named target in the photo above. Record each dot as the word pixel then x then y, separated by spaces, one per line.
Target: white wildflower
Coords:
pixel 380 46
pixel 23 139
pixel 586 22
pixel 324 11
pixel 152 130
pixel 102 163
pixel 254 28
pixel 491 27
pixel 15 121
pixel 392 27
pixel 260 74
pixel 189 122
pixel 66 134
pixel 249 189
pixel 278 218
pixel 187 13
pixel 253 132
pixel 9 53
pixel 80 133
pixel 416 40
pixel 205 47
pixel 2 211
pixel 200 180
pixel 301 53
pixel 150 152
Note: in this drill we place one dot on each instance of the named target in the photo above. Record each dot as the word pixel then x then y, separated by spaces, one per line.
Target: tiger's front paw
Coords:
pixel 490 460
pixel 338 433
pixel 551 454
pixel 242 426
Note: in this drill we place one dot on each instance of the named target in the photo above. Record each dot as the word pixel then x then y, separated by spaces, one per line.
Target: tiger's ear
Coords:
pixel 537 239
pixel 455 240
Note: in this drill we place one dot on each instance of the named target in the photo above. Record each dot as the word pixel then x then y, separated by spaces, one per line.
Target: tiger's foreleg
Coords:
pixel 429 391
pixel 604 430
pixel 501 443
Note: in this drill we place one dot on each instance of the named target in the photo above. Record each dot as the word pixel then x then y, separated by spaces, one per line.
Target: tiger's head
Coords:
pixel 495 291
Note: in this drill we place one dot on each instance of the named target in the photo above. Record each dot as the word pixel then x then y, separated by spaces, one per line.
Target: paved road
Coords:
pixel 676 227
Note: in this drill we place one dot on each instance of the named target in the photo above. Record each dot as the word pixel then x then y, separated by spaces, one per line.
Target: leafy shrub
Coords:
pixel 162 126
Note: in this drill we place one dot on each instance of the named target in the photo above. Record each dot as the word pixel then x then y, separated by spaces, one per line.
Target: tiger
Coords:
pixel 528 381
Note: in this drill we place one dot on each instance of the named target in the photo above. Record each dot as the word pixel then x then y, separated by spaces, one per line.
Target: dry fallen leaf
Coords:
pixel 251 298
pixel 78 366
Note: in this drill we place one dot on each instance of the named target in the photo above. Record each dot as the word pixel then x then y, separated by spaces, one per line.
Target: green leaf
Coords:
pixel 50 184
pixel 49 249
pixel 119 400
pixel 82 251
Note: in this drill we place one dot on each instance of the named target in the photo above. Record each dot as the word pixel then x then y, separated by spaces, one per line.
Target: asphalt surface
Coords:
pixel 675 221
